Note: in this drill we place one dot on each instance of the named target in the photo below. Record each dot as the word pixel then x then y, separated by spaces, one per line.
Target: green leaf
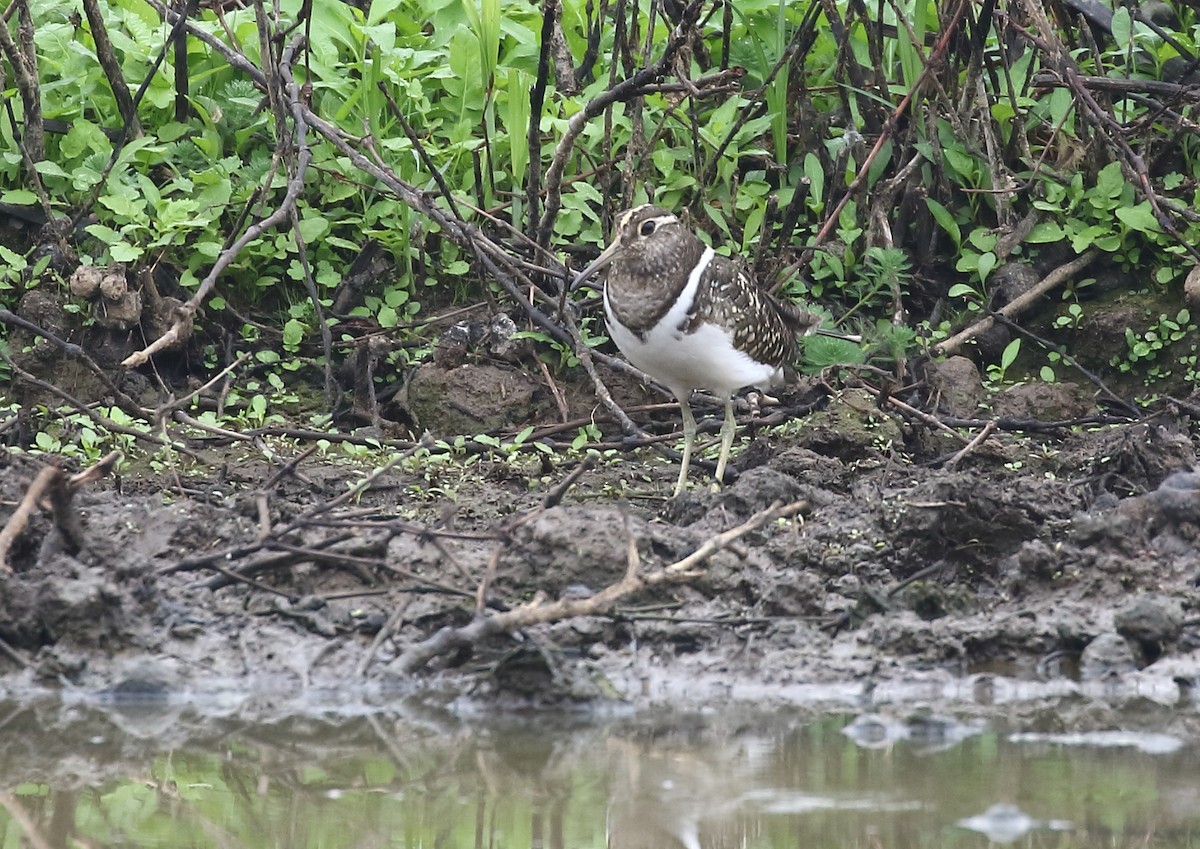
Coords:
pixel 1140 218
pixel 1061 104
pixel 753 224
pixel 1122 27
pixel 517 85
pixel 987 262
pixel 1011 350
pixel 881 163
pixel 12 259
pixel 293 333
pixel 820 352
pixel 19 197
pixel 945 220
pixel 313 228
pixel 1045 233
pixel 124 252
pixel 380 9
pixel 982 238
pixel 815 175
pixel 105 234
pixel 1110 182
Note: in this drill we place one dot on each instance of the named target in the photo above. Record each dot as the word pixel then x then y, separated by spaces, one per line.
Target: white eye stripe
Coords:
pixel 658 221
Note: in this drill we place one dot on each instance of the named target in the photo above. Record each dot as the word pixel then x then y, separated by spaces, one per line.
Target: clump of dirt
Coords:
pixel 908 560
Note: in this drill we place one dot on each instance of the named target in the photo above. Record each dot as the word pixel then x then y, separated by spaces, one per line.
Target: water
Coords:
pixel 152 776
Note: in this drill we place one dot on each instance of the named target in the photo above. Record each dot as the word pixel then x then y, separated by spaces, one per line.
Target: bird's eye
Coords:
pixel 647 227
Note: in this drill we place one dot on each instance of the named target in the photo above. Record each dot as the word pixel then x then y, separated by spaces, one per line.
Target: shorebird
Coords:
pixel 692 319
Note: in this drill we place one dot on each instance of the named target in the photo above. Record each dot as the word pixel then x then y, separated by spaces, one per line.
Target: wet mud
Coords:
pixel 1034 569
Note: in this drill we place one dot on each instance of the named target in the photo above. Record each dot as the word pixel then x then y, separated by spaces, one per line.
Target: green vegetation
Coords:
pixel 879 167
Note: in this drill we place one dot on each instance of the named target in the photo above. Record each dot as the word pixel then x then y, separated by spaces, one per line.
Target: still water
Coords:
pixel 151 776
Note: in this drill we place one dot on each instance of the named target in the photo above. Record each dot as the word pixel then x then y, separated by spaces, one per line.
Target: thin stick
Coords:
pixel 20 517
pixel 540 612
pixel 972 445
pixel 1018 305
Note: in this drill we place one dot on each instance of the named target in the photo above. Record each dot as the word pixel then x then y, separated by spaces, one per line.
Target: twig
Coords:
pixel 94 472
pixel 1071 361
pixel 15 655
pixel 972 445
pixel 50 482
pixel 20 518
pixel 1021 303
pixel 112 67
pixel 555 496
pixel 624 90
pixel 932 421
pixel 539 612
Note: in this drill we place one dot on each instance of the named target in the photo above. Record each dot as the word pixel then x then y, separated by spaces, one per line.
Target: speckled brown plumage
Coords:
pixel 692 319
pixel 763 327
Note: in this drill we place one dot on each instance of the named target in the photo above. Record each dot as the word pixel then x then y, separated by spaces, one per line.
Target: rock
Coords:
pixel 1191 287
pixel 992 341
pixel 121 314
pixel 113 284
pixel 1108 654
pixel 957 385
pixel 85 281
pixel 1010 281
pixel 471 399
pixel 1044 402
pixel 1035 560
pixel 1178 496
pixel 850 427
pixel 757 489
pixel 1150 621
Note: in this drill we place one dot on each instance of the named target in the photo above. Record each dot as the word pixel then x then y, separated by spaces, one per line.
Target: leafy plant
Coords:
pixel 1162 334
pixel 996 372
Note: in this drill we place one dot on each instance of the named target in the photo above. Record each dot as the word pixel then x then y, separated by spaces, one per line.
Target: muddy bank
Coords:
pixel 1026 571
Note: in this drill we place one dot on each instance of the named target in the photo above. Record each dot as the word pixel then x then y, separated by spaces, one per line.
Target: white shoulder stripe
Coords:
pixel 682 308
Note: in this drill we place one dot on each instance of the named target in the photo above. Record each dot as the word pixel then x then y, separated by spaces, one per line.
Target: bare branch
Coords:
pixel 539 612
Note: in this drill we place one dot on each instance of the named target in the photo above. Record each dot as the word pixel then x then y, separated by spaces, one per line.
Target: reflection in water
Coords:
pixel 166 776
pixel 1006 823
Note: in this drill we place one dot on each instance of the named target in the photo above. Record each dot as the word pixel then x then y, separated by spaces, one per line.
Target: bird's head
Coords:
pixel 649 241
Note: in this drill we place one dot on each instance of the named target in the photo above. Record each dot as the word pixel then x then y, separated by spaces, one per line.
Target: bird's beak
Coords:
pixel 604 259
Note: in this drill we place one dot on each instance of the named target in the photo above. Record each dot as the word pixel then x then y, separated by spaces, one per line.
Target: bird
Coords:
pixel 692 319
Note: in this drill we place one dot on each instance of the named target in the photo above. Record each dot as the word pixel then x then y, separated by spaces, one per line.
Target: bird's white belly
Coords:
pixel 705 359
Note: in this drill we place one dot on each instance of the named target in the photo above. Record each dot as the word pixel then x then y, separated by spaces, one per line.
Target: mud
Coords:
pixel 1057 569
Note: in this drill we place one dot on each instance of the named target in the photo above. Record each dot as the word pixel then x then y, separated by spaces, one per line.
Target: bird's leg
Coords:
pixel 728 427
pixel 689 439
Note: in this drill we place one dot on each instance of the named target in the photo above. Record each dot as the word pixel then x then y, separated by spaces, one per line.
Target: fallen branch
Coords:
pixel 50 483
pixel 1019 304
pixel 972 445
pixel 539 612
pixel 20 517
